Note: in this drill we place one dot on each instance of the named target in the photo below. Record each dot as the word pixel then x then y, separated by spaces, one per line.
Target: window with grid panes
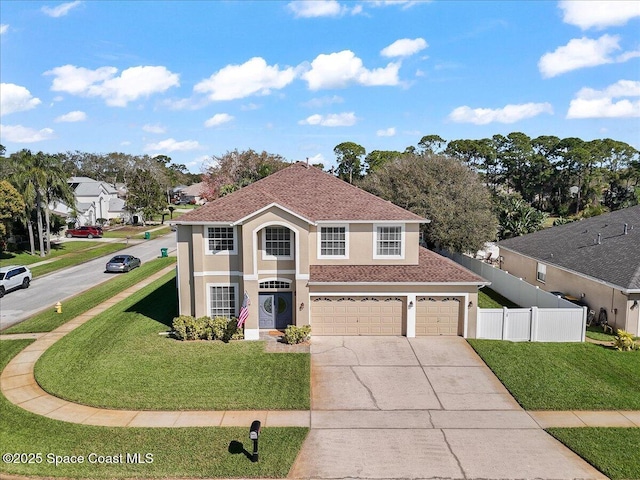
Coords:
pixel 223 301
pixel 389 241
pixel 277 241
pixel 221 239
pixel 333 241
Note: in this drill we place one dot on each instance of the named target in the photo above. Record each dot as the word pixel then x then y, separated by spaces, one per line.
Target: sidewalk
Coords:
pixel 18 384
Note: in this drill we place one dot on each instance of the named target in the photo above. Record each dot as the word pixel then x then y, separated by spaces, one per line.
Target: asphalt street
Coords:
pixel 45 291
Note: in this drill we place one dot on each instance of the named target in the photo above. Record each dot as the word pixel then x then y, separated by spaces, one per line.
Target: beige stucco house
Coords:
pixel 308 248
pixel 596 260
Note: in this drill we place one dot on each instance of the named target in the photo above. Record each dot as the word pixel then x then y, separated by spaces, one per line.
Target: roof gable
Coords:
pixel 596 247
pixel 306 191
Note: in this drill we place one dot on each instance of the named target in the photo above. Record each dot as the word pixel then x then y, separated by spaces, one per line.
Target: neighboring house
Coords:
pixel 596 259
pixel 88 191
pixel 193 193
pixel 308 248
pixel 84 213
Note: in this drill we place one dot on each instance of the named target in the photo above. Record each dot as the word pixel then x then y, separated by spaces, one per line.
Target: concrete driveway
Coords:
pixel 392 407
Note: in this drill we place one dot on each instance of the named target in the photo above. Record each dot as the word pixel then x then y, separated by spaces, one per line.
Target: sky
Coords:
pixel 196 79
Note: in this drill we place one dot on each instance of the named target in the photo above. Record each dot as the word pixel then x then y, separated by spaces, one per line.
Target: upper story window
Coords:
pixel 277 242
pixel 388 241
pixel 541 273
pixel 221 240
pixel 333 242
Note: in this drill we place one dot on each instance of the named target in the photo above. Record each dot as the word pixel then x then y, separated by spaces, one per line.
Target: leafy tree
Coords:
pixel 432 144
pixel 377 158
pixel 11 206
pixel 444 190
pixel 349 159
pixel 516 216
pixel 237 169
pixel 145 194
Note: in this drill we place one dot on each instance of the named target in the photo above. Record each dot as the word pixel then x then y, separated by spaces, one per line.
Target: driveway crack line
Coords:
pixel 426 376
pixel 373 398
pixel 351 350
pixel 444 436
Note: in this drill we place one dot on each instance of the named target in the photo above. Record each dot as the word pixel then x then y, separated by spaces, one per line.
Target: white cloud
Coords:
pixel 583 52
pixel 172 145
pixel 404 47
pixel 249 107
pixel 316 8
pixel 346 119
pixel 338 70
pixel 125 143
pixel 20 134
pixel 75 116
pixel 323 101
pixel 507 114
pixel 218 119
pixel 590 103
pixel 132 84
pixel 14 98
pixel 388 132
pixel 251 78
pixel 60 10
pixel 4 28
pixel 157 128
pixel 403 3
pixel 599 13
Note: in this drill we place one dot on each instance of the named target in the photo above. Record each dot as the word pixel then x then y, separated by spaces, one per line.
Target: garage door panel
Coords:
pixel 357 316
pixel 437 316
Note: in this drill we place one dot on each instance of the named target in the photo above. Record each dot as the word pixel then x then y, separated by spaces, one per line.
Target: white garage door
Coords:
pixel 357 316
pixel 437 316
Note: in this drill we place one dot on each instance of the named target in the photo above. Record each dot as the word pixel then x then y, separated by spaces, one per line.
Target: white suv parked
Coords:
pixel 12 277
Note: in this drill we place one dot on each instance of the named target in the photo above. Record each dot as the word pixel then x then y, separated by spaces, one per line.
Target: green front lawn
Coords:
pixel 119 360
pixel 57 249
pixel 48 320
pixel 613 451
pixel 78 257
pixel 136 232
pixel 488 298
pixel 564 376
pixel 177 452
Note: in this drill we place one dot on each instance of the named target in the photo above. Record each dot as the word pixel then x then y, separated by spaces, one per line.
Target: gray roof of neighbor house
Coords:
pixel 307 192
pixel 596 247
pixel 194 190
pixel 87 187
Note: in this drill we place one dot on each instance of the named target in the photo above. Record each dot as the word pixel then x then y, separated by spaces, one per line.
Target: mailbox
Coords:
pixel 254 433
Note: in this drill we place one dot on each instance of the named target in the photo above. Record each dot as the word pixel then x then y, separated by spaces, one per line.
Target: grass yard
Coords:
pixel 48 320
pixel 78 257
pixel 488 298
pixel 564 376
pixel 119 360
pixel 613 451
pixel 137 232
pixel 177 452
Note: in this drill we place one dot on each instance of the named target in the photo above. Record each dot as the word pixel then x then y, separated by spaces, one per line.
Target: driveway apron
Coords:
pixel 393 407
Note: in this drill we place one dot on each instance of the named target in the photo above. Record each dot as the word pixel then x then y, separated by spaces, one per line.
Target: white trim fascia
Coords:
pixel 267 207
pixel 302 276
pixel 218 273
pixel 624 290
pixel 319 255
pixel 250 278
pixel 275 272
pixel 202 222
pixel 484 284
pixel 402 242
pixel 322 222
pixel 387 294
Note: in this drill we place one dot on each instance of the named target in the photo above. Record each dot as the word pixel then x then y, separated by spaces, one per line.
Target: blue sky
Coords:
pixel 196 79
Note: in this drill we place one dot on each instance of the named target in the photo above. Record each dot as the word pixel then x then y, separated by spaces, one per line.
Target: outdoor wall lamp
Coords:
pixel 470 304
pixel 635 305
pixel 301 306
pixel 411 304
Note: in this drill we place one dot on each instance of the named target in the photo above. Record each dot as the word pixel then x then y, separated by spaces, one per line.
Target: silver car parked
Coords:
pixel 123 263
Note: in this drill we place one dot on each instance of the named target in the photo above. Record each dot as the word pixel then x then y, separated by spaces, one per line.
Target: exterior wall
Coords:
pixel 186 299
pixel 596 295
pixel 360 252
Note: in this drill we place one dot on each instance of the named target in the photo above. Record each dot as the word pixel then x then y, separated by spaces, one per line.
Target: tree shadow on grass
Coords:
pixel 160 305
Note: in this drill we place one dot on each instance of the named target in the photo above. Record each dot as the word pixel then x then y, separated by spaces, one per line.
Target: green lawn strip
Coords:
pixel 48 320
pixel 564 376
pixel 596 333
pixel 137 232
pixel 78 257
pixel 57 250
pixel 488 298
pixel 119 360
pixel 177 452
pixel 613 451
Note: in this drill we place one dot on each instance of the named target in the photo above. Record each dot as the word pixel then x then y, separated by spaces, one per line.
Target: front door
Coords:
pixel 275 310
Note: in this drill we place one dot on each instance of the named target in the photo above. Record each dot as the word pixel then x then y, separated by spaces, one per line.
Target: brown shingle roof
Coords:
pixel 432 268
pixel 306 191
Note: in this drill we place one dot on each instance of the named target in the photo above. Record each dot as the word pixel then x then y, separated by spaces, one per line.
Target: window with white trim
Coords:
pixel 389 241
pixel 223 301
pixel 277 241
pixel 333 241
pixel 275 284
pixel 541 273
pixel 221 239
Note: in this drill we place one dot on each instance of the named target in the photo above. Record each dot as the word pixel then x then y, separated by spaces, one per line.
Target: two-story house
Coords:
pixel 308 248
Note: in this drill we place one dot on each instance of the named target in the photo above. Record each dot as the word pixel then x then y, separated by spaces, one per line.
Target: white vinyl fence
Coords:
pixel 544 317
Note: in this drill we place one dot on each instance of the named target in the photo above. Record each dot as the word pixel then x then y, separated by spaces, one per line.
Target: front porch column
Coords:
pixel 411 315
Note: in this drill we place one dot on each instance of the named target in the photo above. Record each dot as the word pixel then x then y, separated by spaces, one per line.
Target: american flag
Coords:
pixel 244 310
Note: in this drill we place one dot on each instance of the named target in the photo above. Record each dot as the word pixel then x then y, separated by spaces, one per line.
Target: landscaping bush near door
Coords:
pixel 186 327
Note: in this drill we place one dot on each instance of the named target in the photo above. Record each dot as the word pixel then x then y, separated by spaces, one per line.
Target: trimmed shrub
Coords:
pixel 624 341
pixel 294 335
pixel 187 328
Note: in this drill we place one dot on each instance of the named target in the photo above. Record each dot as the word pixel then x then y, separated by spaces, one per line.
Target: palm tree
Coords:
pixel 56 189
